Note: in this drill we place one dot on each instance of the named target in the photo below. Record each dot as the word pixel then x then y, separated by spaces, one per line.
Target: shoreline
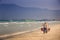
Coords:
pixel 53 34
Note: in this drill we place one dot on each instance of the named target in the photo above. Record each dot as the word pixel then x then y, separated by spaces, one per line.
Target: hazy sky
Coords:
pixel 50 4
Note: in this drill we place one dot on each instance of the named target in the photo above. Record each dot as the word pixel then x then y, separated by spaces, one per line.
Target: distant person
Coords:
pixel 45 28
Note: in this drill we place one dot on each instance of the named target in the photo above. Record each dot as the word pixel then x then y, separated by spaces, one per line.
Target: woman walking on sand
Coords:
pixel 45 28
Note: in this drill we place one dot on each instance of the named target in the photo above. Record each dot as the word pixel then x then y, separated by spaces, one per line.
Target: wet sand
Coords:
pixel 53 34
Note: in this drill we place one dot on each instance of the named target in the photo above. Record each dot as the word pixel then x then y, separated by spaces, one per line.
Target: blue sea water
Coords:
pixel 8 27
pixel 12 27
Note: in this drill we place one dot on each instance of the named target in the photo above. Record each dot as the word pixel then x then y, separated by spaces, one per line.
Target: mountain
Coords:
pixel 15 12
pixel 12 11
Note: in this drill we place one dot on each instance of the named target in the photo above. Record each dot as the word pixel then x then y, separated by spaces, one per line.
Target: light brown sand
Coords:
pixel 53 34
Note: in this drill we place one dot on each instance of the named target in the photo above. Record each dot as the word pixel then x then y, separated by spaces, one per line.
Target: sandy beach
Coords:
pixel 53 34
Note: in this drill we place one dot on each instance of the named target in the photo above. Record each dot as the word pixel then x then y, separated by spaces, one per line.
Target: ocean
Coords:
pixel 13 27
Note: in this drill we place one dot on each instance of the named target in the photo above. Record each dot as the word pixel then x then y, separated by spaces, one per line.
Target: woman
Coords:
pixel 45 28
